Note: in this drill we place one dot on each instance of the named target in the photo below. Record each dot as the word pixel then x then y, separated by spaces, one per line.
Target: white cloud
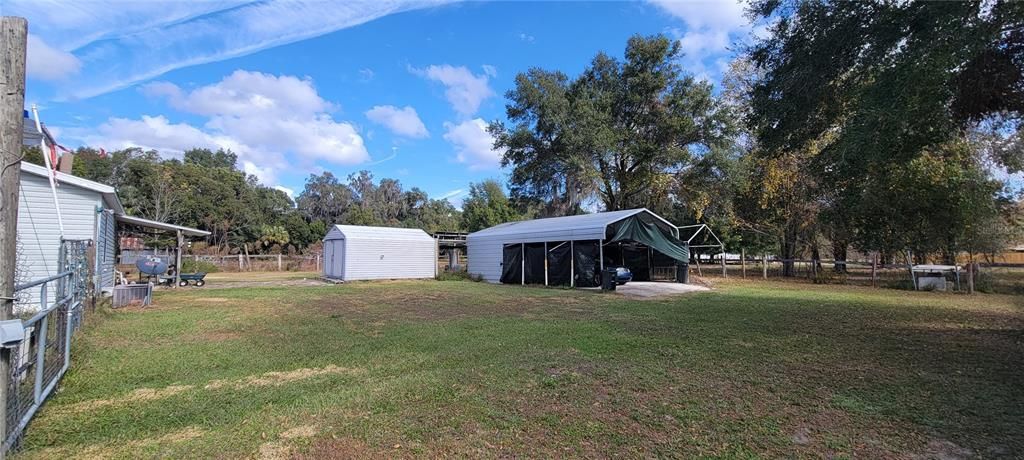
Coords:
pixel 404 121
pixel 265 174
pixel 711 27
pixel 122 43
pixel 271 122
pixel 47 63
pixel 151 133
pixel 465 91
pixel 394 154
pixel 244 92
pixel 366 75
pixel 452 194
pixel 526 37
pixel 287 191
pixel 714 15
pixel 474 146
pixel 455 197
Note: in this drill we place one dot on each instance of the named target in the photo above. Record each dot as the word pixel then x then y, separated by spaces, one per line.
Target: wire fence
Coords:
pixel 54 307
pixel 230 263
pixel 259 262
pixel 991 278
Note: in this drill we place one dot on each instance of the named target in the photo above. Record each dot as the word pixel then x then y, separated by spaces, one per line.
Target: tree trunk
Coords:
pixel 839 255
pixel 788 254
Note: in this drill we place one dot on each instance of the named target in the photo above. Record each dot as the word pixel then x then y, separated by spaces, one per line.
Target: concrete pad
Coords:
pixel 649 289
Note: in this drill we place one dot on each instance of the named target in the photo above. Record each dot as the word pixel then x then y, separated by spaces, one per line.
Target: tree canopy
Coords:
pixel 872 105
pixel 615 133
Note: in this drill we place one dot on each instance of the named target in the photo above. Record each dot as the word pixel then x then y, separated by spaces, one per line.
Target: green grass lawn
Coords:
pixel 430 368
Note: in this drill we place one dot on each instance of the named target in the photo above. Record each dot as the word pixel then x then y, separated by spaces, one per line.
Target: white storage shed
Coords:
pixel 355 252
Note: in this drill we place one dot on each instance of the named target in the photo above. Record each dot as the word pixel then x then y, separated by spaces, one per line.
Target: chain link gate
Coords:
pixel 39 361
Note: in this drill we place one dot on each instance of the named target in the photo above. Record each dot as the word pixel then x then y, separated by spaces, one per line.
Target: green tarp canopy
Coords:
pixel 634 229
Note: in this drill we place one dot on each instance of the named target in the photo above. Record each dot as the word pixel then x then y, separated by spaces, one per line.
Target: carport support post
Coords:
pixel 545 263
pixel 279 262
pixel 724 275
pixel 177 258
pixel 764 266
pixel 572 265
pixel 600 253
pixel 522 263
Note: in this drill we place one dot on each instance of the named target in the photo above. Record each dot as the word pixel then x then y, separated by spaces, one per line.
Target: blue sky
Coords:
pixel 402 89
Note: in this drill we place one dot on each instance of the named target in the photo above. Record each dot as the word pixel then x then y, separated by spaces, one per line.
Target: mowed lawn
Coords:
pixel 427 368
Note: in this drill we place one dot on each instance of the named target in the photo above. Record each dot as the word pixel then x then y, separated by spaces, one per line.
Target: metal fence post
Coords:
pixel 67 335
pixel 40 359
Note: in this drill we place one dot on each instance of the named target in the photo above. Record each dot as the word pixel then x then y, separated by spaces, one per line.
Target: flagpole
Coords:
pixel 50 171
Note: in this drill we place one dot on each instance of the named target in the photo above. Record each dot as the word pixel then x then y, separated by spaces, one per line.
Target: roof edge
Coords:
pixel 109 193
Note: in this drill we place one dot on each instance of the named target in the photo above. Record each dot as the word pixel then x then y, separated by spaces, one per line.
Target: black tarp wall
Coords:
pixel 533 269
pixel 511 264
pixel 559 260
pixel 585 257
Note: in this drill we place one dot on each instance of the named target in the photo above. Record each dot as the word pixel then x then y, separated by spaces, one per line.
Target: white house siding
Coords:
pixel 38 231
pixel 372 253
pixel 106 245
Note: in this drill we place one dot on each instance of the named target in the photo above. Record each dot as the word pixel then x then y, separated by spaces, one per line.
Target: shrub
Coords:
pixel 458 275
pixel 196 266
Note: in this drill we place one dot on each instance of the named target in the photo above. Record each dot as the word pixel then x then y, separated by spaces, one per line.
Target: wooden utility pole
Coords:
pixel 13 40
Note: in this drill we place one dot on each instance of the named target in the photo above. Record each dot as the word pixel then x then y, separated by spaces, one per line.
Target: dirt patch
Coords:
pixel 279 378
pixel 305 431
pixel 139 395
pixel 941 449
pixel 652 290
pixel 345 448
pixel 152 394
pixel 307 282
pixel 281 449
pixel 105 451
pixel 211 299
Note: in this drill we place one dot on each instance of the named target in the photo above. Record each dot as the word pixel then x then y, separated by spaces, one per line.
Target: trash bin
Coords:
pixel 608 279
pixel 683 273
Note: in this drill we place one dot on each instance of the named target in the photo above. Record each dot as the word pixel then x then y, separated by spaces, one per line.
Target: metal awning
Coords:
pixel 160 225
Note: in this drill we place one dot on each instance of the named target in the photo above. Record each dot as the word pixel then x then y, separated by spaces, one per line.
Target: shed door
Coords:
pixel 328 258
pixel 338 258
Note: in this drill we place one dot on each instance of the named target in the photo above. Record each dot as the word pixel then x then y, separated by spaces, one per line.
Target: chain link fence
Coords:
pixel 54 307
